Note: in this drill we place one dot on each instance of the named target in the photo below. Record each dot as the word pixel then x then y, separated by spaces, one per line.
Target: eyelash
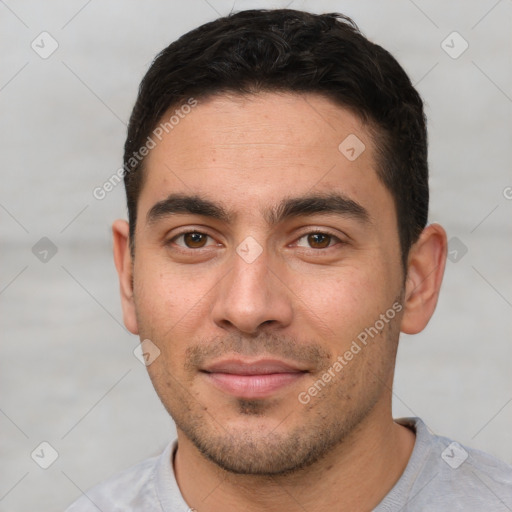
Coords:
pixel 333 237
pixel 174 238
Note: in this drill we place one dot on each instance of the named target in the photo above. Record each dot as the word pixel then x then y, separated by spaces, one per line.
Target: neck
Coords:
pixel 355 475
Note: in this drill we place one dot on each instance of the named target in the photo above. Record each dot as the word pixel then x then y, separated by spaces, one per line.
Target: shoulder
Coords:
pixel 452 456
pixel 131 489
pixel 450 476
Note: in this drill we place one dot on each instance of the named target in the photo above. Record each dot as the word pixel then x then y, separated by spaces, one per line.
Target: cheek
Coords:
pixel 171 309
pixel 344 301
pixel 169 298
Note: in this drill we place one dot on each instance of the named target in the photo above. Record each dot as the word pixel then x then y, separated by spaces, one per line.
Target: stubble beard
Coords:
pixel 274 453
pixel 324 424
pixel 329 420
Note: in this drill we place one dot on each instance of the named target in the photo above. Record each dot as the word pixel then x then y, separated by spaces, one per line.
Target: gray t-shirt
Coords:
pixel 441 475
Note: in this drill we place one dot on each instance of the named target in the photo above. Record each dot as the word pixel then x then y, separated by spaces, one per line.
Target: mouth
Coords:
pixel 252 379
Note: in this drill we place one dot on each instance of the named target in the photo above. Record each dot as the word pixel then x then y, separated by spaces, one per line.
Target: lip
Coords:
pixel 252 379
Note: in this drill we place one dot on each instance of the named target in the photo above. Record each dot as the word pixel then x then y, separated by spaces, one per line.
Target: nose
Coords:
pixel 251 295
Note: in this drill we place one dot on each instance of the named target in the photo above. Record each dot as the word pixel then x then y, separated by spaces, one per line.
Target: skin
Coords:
pixel 302 300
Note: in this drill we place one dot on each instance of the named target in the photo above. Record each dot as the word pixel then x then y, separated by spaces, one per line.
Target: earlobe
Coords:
pixel 426 263
pixel 124 266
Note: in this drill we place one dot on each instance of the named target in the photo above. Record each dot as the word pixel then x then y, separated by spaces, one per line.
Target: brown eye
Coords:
pixel 319 240
pixel 195 240
pixel 192 241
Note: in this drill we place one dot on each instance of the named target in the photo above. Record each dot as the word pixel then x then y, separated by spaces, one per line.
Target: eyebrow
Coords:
pixel 337 204
pixel 310 204
pixel 183 204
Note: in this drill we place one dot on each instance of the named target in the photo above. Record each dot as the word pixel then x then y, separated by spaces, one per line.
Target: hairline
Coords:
pixel 376 133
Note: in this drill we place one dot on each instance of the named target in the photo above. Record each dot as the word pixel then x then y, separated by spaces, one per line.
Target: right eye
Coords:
pixel 192 240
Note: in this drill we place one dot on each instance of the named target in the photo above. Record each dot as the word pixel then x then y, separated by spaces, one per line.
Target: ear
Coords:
pixel 425 270
pixel 124 266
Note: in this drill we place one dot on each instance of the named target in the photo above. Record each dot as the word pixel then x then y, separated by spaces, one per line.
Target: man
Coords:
pixel 277 244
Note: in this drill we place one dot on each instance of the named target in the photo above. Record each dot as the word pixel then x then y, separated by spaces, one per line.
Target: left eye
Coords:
pixel 192 240
pixel 317 240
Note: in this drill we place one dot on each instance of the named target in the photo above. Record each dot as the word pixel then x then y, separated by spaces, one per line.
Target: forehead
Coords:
pixel 251 151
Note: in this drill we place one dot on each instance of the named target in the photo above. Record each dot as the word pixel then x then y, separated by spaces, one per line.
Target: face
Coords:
pixel 264 256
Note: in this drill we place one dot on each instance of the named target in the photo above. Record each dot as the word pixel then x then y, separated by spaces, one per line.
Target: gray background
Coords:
pixel 68 375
